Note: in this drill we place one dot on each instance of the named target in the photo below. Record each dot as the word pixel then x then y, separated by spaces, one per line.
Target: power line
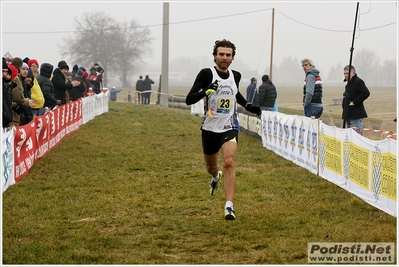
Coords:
pixel 331 30
pixel 210 18
pixel 153 25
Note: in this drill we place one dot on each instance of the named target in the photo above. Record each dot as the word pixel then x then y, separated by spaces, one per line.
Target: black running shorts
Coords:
pixel 212 142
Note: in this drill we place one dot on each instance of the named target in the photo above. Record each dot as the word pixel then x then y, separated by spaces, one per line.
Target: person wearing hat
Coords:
pixel 95 78
pixel 34 66
pixel 36 94
pixel 267 94
pixel 112 93
pixel 26 59
pixel 39 108
pixel 18 99
pixel 60 83
pixel 6 97
pixel 252 94
pixel 26 115
pixel 139 89
pixel 77 92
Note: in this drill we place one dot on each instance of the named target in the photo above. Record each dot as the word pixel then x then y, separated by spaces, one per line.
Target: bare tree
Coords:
pixel 116 47
pixel 366 63
pixel 389 72
pixel 135 44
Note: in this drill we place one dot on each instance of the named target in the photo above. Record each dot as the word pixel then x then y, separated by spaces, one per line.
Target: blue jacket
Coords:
pixel 252 94
pixel 313 89
pixel 112 94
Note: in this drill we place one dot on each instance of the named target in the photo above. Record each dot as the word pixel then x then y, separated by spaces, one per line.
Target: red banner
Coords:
pixel 24 149
pixel 42 135
pixel 34 140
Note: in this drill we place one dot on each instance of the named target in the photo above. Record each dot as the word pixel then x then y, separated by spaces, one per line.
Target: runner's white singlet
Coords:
pixel 221 108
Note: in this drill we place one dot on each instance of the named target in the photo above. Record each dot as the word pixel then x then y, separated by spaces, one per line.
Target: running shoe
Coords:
pixel 215 185
pixel 229 214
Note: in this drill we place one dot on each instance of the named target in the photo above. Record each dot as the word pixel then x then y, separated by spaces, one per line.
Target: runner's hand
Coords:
pixel 211 89
pixel 254 109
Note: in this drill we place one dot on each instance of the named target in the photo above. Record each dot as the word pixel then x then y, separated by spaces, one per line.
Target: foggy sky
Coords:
pixel 321 31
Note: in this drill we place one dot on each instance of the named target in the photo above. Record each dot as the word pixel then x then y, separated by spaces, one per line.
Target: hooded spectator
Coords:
pixel 47 86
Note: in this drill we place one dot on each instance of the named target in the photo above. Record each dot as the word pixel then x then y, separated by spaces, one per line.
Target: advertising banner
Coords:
pixel 7 152
pixel 364 167
pixel 293 137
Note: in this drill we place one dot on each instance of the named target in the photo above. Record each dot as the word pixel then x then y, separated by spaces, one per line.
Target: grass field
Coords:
pixel 381 106
pixel 130 187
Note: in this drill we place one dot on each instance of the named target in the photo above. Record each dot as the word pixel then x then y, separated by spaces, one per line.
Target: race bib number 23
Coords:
pixel 224 106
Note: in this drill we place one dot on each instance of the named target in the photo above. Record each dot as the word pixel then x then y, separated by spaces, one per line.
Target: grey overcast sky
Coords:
pixel 321 31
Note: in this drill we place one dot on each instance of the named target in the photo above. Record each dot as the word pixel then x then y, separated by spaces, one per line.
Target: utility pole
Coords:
pixel 346 100
pixel 165 57
pixel 271 50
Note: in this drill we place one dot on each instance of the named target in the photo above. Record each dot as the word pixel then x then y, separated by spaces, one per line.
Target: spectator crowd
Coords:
pixel 30 89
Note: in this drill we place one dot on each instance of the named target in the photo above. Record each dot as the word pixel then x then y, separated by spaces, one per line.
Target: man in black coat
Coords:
pixel 146 86
pixel 60 84
pixel 356 92
pixel 267 94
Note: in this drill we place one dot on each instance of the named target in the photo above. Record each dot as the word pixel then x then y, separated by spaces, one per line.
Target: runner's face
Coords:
pixel 223 58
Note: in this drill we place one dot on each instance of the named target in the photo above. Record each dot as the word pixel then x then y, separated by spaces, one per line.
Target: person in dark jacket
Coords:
pixel 96 78
pixel 146 86
pixel 47 86
pixel 86 83
pixel 356 92
pixel 139 89
pixel 60 83
pixel 6 96
pixel 312 90
pixel 77 92
pixel 75 70
pixel 267 94
pixel 18 98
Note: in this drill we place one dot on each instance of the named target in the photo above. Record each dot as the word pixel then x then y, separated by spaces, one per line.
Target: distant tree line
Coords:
pixel 290 72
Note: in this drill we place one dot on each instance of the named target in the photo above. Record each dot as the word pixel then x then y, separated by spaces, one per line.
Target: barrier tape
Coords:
pixel 391 133
pixel 152 91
